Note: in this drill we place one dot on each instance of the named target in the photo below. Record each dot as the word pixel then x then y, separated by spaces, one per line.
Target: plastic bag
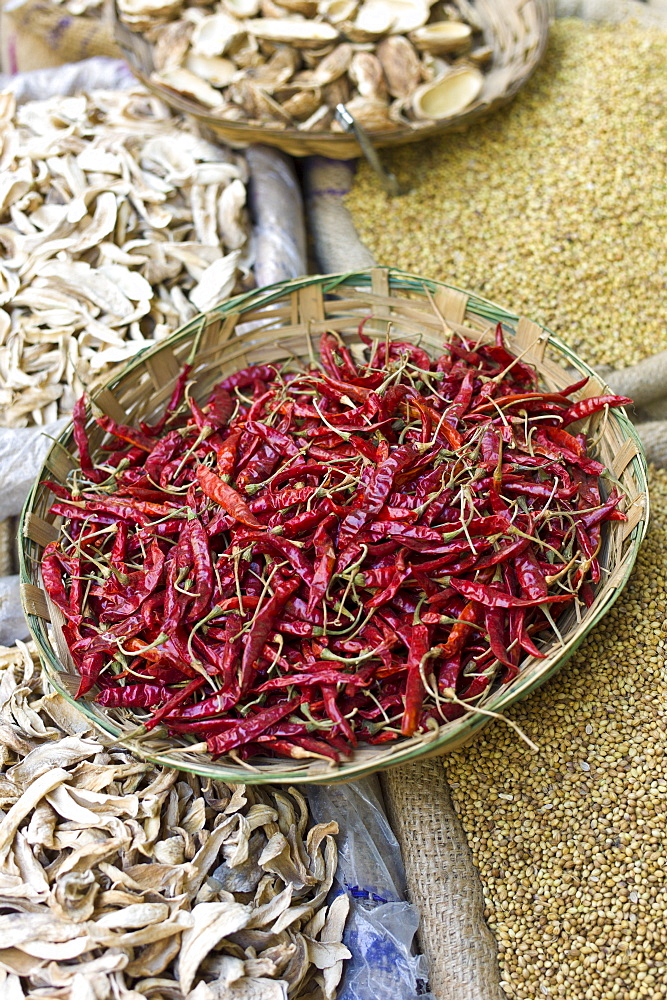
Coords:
pixel 382 924
pixel 277 212
pixel 13 625
pixel 97 73
pixel 22 452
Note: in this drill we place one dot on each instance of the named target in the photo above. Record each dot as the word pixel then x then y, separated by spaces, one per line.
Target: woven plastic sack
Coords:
pixel 98 73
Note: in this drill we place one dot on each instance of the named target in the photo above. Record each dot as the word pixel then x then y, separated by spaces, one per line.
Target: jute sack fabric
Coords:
pixel 654 438
pixel 645 382
pixel 443 883
pixel 337 244
pixel 7 536
pixel 40 33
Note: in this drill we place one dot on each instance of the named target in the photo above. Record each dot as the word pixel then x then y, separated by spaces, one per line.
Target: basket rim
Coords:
pixel 459 731
pixel 245 133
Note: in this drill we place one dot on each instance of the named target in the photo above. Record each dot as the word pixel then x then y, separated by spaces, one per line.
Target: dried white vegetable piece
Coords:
pixel 34 792
pixel 66 752
pixel 216 282
pixel 93 190
pixel 211 922
pixel 136 915
pixel 117 879
pixel 73 896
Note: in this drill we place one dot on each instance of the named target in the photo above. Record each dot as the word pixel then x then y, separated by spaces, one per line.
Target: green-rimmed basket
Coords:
pixel 271 325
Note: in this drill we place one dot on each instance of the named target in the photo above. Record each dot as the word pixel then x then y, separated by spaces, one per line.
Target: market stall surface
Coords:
pixel 557 208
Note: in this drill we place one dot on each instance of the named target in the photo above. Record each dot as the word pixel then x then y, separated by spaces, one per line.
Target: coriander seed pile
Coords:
pixel 557 204
pixel 571 843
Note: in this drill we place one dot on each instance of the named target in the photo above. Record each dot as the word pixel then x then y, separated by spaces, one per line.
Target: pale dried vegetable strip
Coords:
pixel 118 223
pixel 120 880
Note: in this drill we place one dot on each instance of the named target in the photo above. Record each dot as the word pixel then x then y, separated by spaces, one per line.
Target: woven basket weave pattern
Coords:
pixel 516 30
pixel 279 323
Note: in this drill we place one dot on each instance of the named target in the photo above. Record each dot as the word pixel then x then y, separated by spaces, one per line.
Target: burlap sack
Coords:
pixel 337 245
pixel 443 883
pixel 645 382
pixel 38 34
pixel 7 536
pixel 653 436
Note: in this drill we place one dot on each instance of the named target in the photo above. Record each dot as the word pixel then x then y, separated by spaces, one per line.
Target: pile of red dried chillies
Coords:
pixel 326 555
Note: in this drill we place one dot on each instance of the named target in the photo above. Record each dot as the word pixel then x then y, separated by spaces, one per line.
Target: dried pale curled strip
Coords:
pixel 11 737
pixel 13 961
pixel 32 795
pixel 9 792
pixel 274 908
pixel 164 878
pixel 66 752
pixel 73 896
pixel 59 975
pixel 41 828
pixel 135 915
pixel 122 179
pixel 152 904
pixel 244 988
pixel 278 858
pixel 66 718
pixel 211 922
pixel 155 957
pixel 69 808
pixel 290 916
pixel 58 951
pixel 333 932
pixel 34 879
pixel 18 928
pixel 143 935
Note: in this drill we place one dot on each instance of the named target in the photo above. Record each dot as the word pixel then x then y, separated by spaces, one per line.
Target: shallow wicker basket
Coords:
pixel 516 30
pixel 286 320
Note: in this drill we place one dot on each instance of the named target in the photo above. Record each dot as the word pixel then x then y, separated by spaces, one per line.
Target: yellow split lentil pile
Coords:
pixel 557 204
pixel 557 207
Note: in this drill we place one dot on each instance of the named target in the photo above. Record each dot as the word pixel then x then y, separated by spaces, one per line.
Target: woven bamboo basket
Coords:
pixel 516 30
pixel 282 321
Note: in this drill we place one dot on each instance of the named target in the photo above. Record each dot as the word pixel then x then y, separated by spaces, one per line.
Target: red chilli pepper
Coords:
pixel 587 407
pixel 176 700
pixel 132 696
pixel 203 569
pixel 248 729
pixel 261 628
pixel 491 597
pixel 230 501
pixel 81 441
pixel 414 691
